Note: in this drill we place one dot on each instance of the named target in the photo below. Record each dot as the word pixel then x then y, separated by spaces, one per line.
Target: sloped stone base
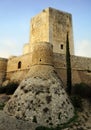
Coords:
pixel 41 98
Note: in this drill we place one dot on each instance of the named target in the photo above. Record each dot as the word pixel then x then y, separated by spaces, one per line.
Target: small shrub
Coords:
pixel 77 102
pixel 45 128
pixel 82 90
pixel 2 106
pixel 9 89
pixel 2 89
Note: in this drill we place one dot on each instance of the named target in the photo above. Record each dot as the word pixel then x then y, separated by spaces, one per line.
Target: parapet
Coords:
pixel 26 48
pixel 11 57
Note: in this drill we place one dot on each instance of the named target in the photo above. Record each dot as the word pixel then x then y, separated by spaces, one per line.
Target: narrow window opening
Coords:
pixel 61 46
pixel 40 60
pixel 19 64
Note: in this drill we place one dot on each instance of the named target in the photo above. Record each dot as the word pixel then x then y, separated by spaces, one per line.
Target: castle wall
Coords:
pixel 18 67
pixel 81 67
pixel 24 60
pixel 3 67
pixel 77 62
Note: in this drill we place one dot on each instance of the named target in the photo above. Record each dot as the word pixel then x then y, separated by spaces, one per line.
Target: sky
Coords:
pixel 15 16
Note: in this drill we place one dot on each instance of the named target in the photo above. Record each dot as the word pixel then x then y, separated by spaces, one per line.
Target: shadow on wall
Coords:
pixel 82 89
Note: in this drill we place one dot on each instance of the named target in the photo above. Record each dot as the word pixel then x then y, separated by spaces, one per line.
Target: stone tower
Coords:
pixel 52 25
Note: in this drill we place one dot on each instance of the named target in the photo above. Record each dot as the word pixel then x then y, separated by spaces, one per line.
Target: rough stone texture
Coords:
pixel 52 25
pixel 41 99
pixel 10 123
pixel 84 118
pixel 83 122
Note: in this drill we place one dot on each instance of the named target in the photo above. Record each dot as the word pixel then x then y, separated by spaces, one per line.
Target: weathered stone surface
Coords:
pixel 11 123
pixel 41 98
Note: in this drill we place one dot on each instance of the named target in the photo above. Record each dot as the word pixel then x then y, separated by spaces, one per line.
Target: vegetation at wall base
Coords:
pixel 9 88
pixel 82 90
pixel 2 106
pixel 68 65
pixel 77 102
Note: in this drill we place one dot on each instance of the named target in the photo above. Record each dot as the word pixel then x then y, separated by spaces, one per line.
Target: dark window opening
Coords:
pixel 40 59
pixel 61 46
pixel 19 64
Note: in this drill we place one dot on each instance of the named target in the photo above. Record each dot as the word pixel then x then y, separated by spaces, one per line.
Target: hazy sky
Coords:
pixel 15 18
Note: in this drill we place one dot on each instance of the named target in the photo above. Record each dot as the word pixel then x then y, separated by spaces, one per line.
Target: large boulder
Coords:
pixel 41 98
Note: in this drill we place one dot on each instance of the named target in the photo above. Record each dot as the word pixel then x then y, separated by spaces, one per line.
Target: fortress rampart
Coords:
pixel 81 67
pixel 19 63
pixel 77 62
pixel 18 67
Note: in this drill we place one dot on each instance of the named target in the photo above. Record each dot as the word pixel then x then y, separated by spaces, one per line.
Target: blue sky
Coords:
pixel 15 18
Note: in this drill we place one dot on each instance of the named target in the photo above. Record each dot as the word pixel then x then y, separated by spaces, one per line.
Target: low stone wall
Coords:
pixel 77 62
pixel 81 68
pixel 19 63
pixel 78 76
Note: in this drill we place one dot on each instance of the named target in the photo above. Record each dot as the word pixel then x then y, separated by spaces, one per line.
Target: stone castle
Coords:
pixel 49 26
